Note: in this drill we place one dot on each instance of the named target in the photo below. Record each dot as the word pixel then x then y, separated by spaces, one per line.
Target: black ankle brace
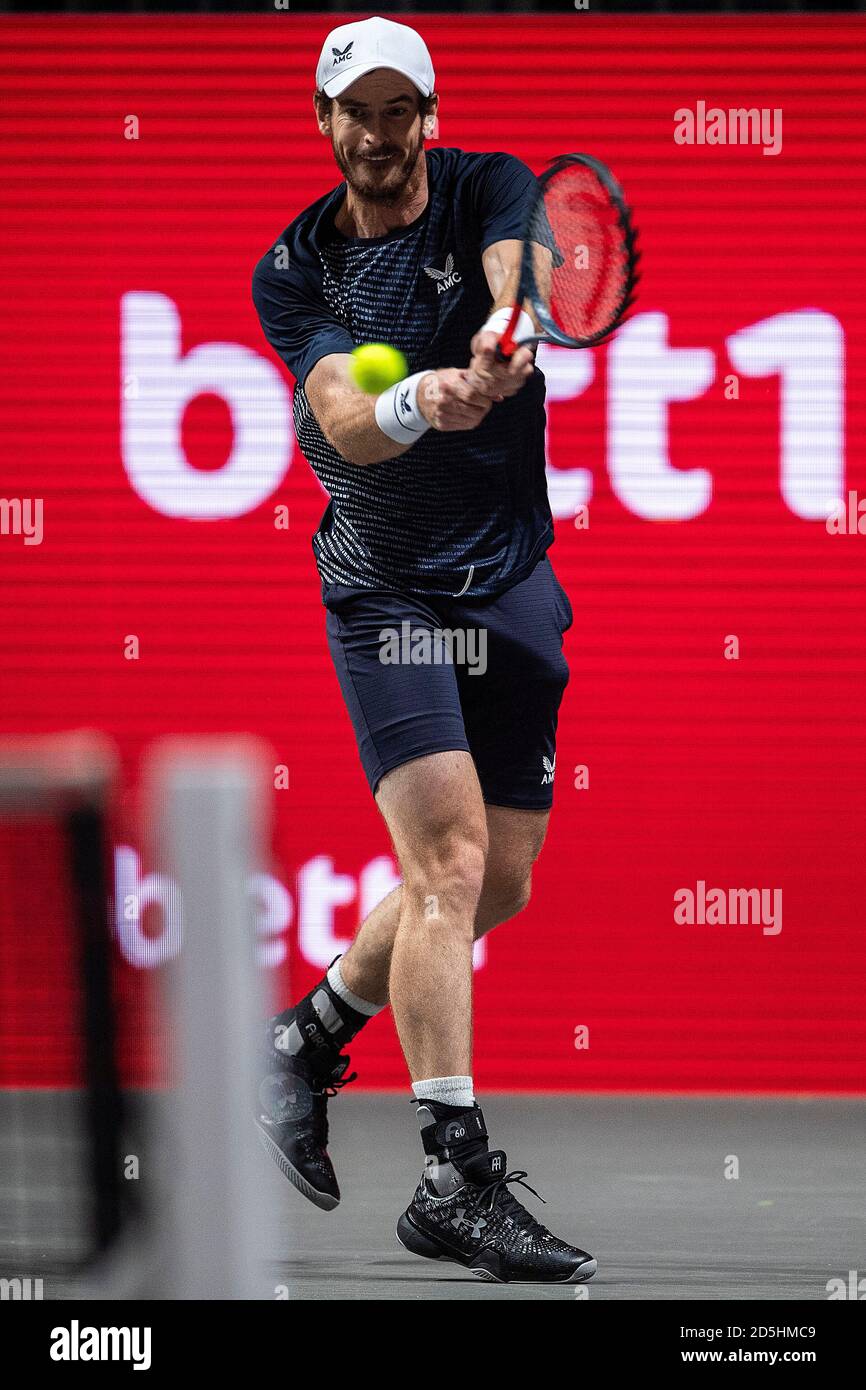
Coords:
pixel 325 1023
pixel 457 1132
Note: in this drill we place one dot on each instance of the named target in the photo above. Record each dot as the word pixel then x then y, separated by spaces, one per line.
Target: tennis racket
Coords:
pixel 579 267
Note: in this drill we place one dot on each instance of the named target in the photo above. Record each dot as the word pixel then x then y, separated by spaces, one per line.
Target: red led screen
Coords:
pixel 712 736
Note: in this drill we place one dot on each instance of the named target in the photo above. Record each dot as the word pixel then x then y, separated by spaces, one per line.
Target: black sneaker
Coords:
pixel 463 1210
pixel 292 1119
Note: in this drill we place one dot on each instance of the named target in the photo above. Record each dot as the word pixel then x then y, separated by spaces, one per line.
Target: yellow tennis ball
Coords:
pixel 376 366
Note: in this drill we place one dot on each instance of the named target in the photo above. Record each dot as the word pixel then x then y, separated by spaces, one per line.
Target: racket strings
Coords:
pixel 588 284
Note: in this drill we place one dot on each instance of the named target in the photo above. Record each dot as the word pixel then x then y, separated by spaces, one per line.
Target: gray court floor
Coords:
pixel 640 1182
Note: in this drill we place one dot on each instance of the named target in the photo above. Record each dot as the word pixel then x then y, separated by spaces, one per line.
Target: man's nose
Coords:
pixel 374 133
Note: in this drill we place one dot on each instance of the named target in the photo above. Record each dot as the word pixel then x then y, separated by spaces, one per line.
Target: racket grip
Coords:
pixel 518 323
pixel 505 352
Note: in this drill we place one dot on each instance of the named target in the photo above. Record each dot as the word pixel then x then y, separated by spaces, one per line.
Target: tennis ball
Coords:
pixel 376 366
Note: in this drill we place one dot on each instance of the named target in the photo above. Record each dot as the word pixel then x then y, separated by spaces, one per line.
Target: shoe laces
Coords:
pixel 336 1084
pixel 334 1080
pixel 330 1085
pixel 320 1102
pixel 496 1193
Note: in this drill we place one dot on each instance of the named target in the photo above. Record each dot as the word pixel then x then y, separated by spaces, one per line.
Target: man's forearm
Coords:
pixel 347 416
pixel 352 428
pixel 363 428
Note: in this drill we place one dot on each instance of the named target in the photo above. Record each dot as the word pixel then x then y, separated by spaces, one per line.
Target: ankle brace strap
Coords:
pixel 467 1127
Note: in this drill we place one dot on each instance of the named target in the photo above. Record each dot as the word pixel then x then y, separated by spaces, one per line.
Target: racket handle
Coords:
pixel 506 347
pixel 505 351
pixel 520 323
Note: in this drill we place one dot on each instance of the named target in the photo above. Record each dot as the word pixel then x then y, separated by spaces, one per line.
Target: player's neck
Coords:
pixel 363 217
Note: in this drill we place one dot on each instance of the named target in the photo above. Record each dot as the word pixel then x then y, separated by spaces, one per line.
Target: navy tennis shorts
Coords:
pixel 422 675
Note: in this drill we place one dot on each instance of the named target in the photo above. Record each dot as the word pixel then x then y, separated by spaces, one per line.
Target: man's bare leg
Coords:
pixel 435 812
pixel 515 839
pixel 439 855
pixel 462 1208
pixel 357 986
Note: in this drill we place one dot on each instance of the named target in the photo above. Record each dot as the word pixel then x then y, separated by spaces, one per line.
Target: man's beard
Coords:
pixel 394 185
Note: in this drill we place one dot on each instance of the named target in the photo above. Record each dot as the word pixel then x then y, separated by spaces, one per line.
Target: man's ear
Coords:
pixel 323 114
pixel 429 124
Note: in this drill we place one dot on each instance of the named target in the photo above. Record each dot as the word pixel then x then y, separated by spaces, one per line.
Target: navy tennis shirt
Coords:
pixel 457 513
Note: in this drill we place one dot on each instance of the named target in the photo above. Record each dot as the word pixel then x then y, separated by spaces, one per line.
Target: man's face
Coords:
pixel 376 132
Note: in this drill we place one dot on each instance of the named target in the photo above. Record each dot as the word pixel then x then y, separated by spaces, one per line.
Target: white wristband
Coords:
pixel 499 321
pixel 397 413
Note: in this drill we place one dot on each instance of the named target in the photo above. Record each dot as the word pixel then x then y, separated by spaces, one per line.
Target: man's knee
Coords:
pixel 447 869
pixel 503 897
pixel 435 812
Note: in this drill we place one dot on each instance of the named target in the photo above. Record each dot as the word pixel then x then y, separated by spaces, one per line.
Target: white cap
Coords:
pixel 355 49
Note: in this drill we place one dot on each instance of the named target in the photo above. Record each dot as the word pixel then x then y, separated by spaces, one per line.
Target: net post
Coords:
pixel 207 804
pixel 72 776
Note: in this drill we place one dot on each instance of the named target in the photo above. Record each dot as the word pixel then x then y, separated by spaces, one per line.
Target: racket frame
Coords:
pixel 528 288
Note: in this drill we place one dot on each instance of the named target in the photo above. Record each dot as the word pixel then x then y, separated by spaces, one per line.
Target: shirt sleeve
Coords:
pixel 506 191
pixel 295 319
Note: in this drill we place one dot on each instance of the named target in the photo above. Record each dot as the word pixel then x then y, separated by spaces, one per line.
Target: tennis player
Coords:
pixel 444 619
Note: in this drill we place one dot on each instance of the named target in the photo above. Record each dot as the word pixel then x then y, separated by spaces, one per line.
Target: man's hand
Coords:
pixel 493 378
pixel 448 400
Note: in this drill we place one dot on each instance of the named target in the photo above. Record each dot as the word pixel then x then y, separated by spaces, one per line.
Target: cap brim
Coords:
pixel 335 86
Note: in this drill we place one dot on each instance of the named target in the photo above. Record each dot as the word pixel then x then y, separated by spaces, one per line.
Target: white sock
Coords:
pixel 340 988
pixel 448 1090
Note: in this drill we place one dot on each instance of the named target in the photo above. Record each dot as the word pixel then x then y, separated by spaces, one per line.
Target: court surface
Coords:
pixel 638 1181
